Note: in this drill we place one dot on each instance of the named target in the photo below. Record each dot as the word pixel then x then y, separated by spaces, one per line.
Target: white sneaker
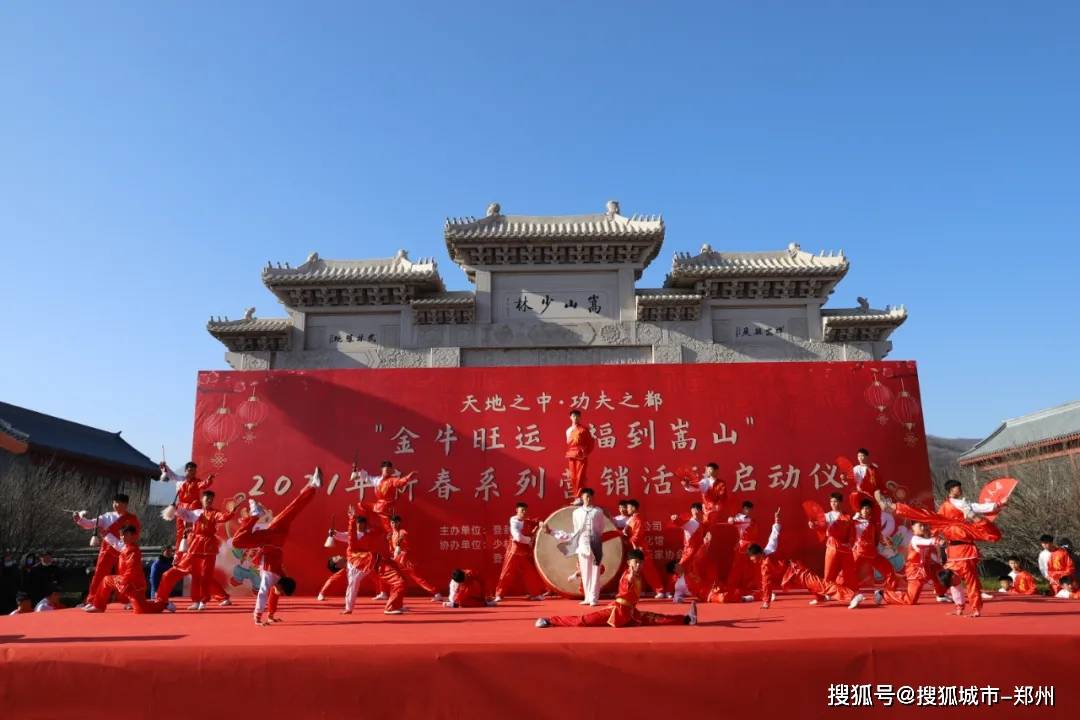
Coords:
pixel 593 603
pixel 815 601
pixel 170 608
pixel 542 622
pixel 498 598
pixel 855 601
pixel 534 598
pixel 90 608
pixel 195 607
pixel 772 597
pixel 127 606
pixel 693 613
pixel 879 597
pixel 437 597
pixel 225 603
pixel 381 596
pixel 393 612
pixel 254 508
pixel 583 602
pixel 748 598
pixel 320 597
pixel 316 477
pixel 660 596
pixel 944 599
pixel 448 604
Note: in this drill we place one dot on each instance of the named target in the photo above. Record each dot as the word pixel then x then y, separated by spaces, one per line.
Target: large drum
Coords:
pixel 556 568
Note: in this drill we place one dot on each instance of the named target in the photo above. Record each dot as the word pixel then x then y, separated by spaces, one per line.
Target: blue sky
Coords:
pixel 154 156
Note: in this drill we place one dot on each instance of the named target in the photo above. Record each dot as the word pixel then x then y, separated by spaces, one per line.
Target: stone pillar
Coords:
pixel 483 297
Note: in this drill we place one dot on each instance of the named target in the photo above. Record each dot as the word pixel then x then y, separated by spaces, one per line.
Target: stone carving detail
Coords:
pixel 398 358
pixel 667 354
pixel 445 357
pixel 494 210
pixel 615 334
pixel 649 334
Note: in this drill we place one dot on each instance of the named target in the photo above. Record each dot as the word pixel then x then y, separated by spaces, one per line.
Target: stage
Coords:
pixel 434 662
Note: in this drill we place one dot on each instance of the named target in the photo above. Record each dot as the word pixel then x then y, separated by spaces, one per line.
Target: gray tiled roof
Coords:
pixel 317 271
pixel 1029 431
pixel 454 298
pixel 252 325
pixel 524 227
pixel 48 433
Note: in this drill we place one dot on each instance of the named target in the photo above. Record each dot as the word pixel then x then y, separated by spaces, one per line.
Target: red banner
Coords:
pixel 483 439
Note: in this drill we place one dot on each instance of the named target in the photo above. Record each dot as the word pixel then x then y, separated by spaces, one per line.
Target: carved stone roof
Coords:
pixel 792 262
pixel 252 333
pixel 317 271
pixel 861 324
pixel 600 238
pixel 454 298
pixel 338 283
pixel 663 296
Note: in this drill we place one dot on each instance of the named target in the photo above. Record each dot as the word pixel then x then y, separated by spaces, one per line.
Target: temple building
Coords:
pixel 556 290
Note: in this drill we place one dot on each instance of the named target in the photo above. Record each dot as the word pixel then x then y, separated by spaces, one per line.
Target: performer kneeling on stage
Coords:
pixel 623 612
pixel 130 583
pixel 467 590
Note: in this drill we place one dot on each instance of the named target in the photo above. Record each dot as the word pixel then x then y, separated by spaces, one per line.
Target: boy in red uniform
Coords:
pixel 519 565
pixel 1069 589
pixel 386 486
pixel 1060 564
pixel 839 538
pixel 466 591
pixel 198 560
pixel 399 551
pixel 130 582
pixel 104 524
pixel 623 611
pixel 635 534
pixel 269 541
pixel 579 444
pixel 365 555
pixel 1023 582
pixel 335 584
pixel 742 581
pixel 865 549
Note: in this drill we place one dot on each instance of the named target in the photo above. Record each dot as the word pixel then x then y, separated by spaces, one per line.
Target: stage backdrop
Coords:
pixel 482 439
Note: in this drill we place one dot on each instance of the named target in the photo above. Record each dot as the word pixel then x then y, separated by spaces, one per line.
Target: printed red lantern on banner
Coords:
pixel 220 428
pixel 251 412
pixel 878 395
pixel 906 409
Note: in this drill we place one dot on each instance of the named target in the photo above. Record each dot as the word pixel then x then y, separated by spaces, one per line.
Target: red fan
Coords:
pixel 687 473
pixel 846 467
pixel 997 491
pixel 815 514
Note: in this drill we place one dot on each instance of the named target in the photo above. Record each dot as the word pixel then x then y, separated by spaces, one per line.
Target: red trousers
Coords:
pixel 617 616
pixel 744 578
pixel 127 593
pixel 967 572
pixel 840 567
pixel 391 582
pixel 649 573
pixel 577 469
pixel 410 573
pixel 869 564
pixel 519 568
pixel 106 565
pixel 201 569
pixel 335 584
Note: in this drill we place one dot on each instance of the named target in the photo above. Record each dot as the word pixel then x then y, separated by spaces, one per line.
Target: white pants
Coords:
pixel 590 577
pixel 681 589
pixel 267 581
pixel 355 576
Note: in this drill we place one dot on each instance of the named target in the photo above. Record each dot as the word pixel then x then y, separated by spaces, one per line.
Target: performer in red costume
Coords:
pixel 366 547
pixel 189 490
pixel 386 486
pixel 713 492
pixel 839 530
pixel 635 534
pixel 201 553
pixel 338 580
pixel 867 538
pixel 1059 565
pixel 110 522
pixel 1023 582
pixel 962 566
pixel 623 611
pixel 867 483
pixel 399 551
pixel 130 582
pixel 957 507
pixel 579 444
pixel 269 543
pixel 467 590
pixel 919 567
pixel 742 581
pixel 691 574
pixel 519 565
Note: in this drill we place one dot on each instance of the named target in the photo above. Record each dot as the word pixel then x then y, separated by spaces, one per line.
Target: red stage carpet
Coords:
pixel 492 663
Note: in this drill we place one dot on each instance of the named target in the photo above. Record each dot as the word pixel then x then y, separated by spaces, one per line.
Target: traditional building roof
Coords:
pixel 50 434
pixel 861 324
pixel 449 308
pixel 322 283
pixel 14 441
pixel 601 238
pixel 252 333
pixel 1028 433
pixel 791 273
pixel 655 304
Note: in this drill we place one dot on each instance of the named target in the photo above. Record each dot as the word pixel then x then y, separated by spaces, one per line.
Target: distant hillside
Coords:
pixel 943 454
